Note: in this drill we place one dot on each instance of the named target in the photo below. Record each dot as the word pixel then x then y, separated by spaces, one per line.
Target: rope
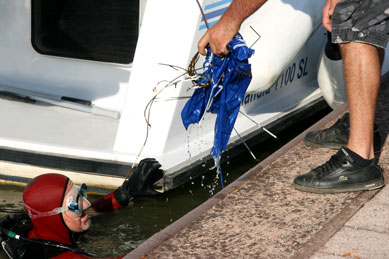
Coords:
pixel 193 76
pixel 147 113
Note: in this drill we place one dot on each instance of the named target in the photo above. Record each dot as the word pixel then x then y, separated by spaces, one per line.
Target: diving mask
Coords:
pixel 76 203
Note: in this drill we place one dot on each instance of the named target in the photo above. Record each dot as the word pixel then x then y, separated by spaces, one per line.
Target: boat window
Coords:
pixel 100 30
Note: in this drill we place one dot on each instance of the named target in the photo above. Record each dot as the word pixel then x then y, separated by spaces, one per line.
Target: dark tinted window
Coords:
pixel 102 30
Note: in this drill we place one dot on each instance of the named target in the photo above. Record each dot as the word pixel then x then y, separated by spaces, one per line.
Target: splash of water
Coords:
pixel 219 170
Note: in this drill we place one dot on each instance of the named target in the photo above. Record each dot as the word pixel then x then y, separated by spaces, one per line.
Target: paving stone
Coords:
pixel 329 256
pixel 383 196
pixel 362 243
pixel 373 216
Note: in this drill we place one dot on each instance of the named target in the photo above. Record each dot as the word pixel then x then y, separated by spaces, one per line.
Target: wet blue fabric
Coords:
pixel 229 78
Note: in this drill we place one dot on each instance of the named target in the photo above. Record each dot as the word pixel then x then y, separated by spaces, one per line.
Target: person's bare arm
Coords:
pixel 222 32
pixel 328 11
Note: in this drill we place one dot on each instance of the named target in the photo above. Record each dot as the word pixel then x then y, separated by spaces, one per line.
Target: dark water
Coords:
pixel 119 232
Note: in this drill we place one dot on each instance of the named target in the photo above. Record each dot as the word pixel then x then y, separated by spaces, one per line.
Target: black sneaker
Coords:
pixel 336 136
pixel 340 174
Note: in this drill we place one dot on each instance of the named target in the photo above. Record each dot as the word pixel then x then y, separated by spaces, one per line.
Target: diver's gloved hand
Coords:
pixel 141 180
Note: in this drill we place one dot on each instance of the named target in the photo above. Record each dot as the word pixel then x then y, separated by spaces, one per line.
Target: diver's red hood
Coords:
pixel 45 193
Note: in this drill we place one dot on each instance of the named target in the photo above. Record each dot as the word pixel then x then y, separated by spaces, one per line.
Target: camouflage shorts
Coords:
pixel 365 21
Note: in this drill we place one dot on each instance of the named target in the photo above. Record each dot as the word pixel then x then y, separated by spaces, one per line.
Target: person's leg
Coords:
pixel 353 23
pixel 361 28
pixel 362 72
pixel 353 168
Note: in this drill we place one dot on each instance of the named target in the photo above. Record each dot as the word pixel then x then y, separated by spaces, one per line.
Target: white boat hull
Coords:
pixel 78 140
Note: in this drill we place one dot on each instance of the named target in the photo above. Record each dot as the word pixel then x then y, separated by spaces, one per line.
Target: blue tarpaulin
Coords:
pixel 228 79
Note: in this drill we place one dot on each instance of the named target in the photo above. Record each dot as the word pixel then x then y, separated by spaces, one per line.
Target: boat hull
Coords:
pixel 86 117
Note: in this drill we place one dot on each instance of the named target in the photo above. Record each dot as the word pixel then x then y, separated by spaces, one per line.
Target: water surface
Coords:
pixel 119 232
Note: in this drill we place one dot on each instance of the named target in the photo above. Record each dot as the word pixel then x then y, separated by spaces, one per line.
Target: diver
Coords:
pixel 55 217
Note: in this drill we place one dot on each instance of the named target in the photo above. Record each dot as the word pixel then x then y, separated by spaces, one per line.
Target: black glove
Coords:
pixel 141 180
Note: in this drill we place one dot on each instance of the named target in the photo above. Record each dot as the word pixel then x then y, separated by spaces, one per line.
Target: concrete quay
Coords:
pixel 260 215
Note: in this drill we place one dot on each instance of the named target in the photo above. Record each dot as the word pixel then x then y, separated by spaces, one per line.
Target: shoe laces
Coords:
pixel 329 166
pixel 339 125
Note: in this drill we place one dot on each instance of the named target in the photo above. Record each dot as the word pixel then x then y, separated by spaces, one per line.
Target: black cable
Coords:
pixel 13 235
